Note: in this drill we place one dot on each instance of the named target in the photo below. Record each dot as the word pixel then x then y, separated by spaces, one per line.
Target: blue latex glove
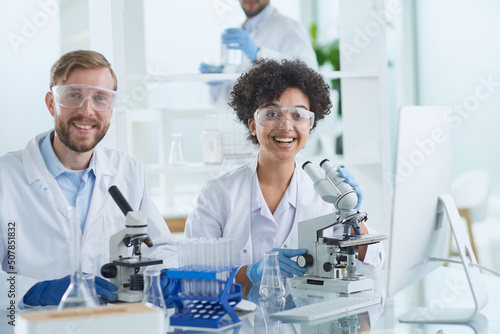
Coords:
pixel 167 286
pixel 50 292
pixel 105 290
pixel 288 267
pixel 349 178
pixel 235 38
pixel 208 68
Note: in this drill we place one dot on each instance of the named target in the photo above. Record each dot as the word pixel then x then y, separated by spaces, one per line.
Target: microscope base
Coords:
pixel 332 284
pixel 129 296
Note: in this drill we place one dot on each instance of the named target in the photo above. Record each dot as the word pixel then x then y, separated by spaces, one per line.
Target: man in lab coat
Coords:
pixel 265 34
pixel 64 167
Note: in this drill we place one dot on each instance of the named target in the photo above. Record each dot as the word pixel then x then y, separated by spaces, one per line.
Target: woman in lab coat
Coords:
pixel 259 204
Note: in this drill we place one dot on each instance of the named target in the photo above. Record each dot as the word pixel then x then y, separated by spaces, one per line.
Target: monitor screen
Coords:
pixel 422 173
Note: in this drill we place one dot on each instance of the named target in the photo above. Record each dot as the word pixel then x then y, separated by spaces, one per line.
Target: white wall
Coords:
pixel 29 44
pixel 459 50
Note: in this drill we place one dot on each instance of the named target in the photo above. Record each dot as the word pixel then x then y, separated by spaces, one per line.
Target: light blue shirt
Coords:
pixel 251 23
pixel 271 230
pixel 77 186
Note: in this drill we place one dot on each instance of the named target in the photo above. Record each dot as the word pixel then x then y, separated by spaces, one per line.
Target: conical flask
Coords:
pixel 271 284
pixel 78 293
pixel 152 290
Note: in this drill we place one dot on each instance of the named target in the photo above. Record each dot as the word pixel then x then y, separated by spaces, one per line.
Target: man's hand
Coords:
pixel 235 38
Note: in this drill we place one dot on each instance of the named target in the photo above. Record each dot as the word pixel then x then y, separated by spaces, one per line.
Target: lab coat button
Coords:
pixel 244 251
pixel 285 246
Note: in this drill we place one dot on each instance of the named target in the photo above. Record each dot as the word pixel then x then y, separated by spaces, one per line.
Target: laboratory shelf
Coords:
pixel 191 167
pixel 234 76
pixel 201 167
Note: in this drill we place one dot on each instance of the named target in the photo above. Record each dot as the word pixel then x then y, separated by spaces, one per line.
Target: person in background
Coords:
pixel 65 167
pixel 266 34
pixel 259 204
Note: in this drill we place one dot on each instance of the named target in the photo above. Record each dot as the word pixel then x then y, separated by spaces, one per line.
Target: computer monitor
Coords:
pixel 423 211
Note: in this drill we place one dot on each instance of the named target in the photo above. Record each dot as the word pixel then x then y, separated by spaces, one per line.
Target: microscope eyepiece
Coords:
pixel 322 162
pixel 119 199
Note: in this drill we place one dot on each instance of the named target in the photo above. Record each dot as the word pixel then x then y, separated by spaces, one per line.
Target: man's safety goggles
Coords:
pixel 75 95
pixel 274 117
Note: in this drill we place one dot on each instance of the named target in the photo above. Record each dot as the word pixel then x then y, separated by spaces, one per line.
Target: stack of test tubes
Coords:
pixel 235 145
pixel 203 254
pixel 205 293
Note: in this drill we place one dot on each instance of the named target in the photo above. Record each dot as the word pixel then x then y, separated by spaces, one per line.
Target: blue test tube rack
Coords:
pixel 205 312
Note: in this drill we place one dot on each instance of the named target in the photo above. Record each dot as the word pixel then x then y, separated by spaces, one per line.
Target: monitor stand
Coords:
pixel 479 294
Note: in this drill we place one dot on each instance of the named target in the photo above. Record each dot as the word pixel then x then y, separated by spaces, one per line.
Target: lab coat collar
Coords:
pixel 52 162
pixel 35 168
pixel 105 165
pixel 34 165
pixel 266 14
pixel 253 22
pixel 290 195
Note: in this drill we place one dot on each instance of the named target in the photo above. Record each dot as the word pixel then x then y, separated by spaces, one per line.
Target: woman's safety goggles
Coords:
pixel 273 117
pixel 75 95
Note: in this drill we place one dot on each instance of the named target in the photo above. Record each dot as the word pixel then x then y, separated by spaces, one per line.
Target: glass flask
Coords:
pixel 89 279
pixel 270 306
pixel 152 290
pixel 176 156
pixel 271 284
pixel 78 293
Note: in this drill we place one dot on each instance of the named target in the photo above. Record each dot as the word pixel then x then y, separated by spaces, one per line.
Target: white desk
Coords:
pixel 445 285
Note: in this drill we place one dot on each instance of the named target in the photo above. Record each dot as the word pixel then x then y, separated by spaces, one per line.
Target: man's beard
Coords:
pixel 74 144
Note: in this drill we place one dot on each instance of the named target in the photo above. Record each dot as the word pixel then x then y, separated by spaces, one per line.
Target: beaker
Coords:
pixel 230 57
pixel 271 284
pixel 211 146
pixel 176 156
pixel 152 290
pixel 78 293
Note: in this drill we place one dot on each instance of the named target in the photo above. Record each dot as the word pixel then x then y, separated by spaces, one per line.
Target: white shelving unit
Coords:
pixel 365 120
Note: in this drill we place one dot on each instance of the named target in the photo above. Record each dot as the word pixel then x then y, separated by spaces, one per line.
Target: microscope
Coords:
pixel 123 270
pixel 328 257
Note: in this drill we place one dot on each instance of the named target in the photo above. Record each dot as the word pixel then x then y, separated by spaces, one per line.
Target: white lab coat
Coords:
pixel 223 210
pixel 31 197
pixel 278 37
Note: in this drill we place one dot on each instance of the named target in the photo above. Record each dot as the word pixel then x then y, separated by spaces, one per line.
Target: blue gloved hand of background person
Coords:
pixel 349 178
pixel 288 267
pixel 50 292
pixel 209 68
pixel 235 38
pixel 167 286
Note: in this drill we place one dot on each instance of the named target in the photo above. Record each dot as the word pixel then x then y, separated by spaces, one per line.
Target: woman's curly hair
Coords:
pixel 268 80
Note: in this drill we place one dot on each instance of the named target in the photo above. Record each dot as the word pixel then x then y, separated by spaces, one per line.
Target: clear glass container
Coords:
pixel 230 57
pixel 176 156
pixel 271 284
pixel 78 293
pixel 270 306
pixel 152 290
pixel 89 279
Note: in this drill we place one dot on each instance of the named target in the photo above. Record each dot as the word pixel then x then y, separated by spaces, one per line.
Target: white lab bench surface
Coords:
pixel 445 287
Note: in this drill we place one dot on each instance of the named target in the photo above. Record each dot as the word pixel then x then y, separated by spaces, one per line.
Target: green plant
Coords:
pixel 327 53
